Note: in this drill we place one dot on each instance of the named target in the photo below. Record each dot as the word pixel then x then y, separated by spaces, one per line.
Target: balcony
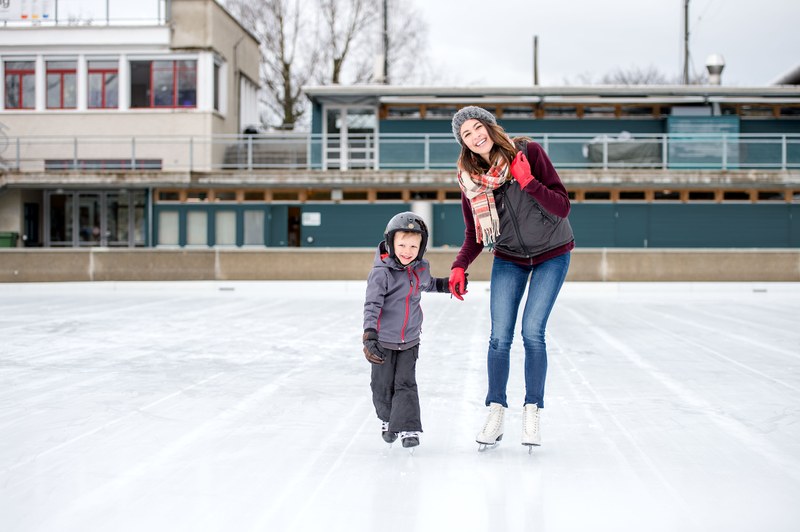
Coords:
pixel 386 152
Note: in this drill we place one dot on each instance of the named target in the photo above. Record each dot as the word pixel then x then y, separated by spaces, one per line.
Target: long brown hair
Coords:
pixel 503 148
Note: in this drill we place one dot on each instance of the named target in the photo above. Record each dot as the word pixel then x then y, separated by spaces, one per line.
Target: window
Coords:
pixel 217 86
pixel 253 228
pixel 61 92
pixel 168 228
pixel 163 84
pixel 225 222
pixel 103 84
pixel 20 85
pixel 197 228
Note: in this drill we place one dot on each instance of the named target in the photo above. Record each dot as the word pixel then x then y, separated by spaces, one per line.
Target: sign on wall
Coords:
pixel 703 141
pixel 311 219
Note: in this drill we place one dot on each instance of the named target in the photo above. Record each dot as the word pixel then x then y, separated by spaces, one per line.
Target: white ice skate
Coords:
pixel 530 427
pixel 492 431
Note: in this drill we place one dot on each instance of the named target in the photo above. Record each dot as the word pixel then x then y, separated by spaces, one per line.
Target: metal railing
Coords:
pixel 388 151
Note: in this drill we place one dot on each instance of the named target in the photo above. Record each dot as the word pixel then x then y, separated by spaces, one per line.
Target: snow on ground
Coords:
pixel 245 406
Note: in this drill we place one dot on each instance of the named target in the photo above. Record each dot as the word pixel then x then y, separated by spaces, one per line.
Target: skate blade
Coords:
pixel 483 446
pixel 531 446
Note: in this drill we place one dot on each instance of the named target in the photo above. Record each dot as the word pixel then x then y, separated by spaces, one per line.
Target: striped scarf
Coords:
pixel 478 189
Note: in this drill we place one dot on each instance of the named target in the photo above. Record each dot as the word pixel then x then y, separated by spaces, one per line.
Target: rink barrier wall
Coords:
pixel 588 264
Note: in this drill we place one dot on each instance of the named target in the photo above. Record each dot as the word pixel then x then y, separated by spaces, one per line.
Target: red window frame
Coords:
pixel 21 73
pixel 176 68
pixel 61 73
pixel 104 72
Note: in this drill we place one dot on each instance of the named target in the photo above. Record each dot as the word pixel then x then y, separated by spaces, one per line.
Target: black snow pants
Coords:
pixel 394 390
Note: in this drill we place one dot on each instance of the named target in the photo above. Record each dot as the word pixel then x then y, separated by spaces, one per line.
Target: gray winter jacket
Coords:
pixel 392 304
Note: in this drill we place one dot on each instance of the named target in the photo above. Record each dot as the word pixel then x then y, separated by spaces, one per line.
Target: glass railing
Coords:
pixel 387 151
pixel 44 13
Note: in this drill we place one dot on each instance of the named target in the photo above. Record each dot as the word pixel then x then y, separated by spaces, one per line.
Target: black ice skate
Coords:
pixel 410 440
pixel 388 437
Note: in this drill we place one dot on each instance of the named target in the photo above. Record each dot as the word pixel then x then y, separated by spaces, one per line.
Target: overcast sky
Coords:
pixel 490 42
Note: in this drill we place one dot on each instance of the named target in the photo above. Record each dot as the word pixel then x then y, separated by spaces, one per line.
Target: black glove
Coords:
pixel 442 285
pixel 372 348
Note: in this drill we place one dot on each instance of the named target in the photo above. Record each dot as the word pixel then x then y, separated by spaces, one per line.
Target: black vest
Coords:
pixel 526 228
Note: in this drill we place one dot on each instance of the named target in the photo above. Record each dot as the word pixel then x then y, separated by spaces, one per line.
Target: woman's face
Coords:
pixel 476 137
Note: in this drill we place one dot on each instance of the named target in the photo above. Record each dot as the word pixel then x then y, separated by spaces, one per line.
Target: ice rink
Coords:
pixel 245 406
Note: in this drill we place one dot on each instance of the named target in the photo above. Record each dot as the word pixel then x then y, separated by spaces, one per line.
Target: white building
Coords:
pixel 187 69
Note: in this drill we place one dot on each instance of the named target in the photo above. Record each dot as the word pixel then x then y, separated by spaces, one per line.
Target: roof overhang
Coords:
pixel 588 94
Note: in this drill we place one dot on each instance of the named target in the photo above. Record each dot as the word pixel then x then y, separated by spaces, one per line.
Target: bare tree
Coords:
pixel 354 40
pixel 408 43
pixel 635 76
pixel 289 58
pixel 348 23
pixel 327 41
pixel 638 76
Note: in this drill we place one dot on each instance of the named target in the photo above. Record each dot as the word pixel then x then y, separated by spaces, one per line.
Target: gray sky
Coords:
pixel 491 42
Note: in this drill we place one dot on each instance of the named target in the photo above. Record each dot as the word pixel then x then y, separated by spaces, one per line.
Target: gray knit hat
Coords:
pixel 466 113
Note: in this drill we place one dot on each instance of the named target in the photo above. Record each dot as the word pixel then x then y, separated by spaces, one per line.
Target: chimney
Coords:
pixel 714 64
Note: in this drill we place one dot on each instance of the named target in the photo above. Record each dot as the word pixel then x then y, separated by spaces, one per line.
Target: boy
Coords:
pixel 392 324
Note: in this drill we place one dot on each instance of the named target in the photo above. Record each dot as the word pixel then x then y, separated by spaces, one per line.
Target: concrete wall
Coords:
pixel 102 264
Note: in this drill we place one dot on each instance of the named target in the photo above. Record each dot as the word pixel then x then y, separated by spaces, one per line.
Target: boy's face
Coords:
pixel 406 246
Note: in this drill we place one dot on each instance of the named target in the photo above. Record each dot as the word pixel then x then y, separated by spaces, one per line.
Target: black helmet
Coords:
pixel 405 221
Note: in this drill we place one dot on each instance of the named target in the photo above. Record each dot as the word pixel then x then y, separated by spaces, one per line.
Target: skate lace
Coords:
pixel 409 434
pixel 492 422
pixel 530 420
pixel 385 426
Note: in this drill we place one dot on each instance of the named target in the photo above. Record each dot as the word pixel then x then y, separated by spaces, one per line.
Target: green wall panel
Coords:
pixel 668 224
pixel 719 225
pixel 448 225
pixel 631 225
pixel 515 126
pixel 346 225
pixel 593 224
pixel 277 226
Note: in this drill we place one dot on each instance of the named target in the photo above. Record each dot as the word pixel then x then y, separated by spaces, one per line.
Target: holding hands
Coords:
pixel 521 170
pixel 458 283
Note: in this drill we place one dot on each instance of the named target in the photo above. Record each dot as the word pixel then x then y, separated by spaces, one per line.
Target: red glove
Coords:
pixel 521 170
pixel 458 283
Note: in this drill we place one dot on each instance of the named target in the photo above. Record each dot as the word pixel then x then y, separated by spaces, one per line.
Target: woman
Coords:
pixel 513 201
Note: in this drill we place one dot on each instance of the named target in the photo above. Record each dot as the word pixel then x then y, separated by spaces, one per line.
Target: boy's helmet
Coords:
pixel 405 221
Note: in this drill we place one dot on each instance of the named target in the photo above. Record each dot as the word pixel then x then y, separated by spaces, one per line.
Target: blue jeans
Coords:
pixel 507 288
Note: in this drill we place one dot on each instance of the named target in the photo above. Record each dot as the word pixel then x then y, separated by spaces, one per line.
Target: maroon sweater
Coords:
pixel 546 188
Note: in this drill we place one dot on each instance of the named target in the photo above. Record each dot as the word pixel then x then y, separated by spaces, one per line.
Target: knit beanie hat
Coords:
pixel 467 113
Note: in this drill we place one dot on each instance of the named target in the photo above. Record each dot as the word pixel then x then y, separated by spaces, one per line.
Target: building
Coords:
pixel 95 112
pixel 646 166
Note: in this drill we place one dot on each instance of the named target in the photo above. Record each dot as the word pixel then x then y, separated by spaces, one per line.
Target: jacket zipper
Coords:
pixel 408 298
pixel 545 215
pixel 516 226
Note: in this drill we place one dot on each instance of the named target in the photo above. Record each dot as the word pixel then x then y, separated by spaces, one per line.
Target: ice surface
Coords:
pixel 245 406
